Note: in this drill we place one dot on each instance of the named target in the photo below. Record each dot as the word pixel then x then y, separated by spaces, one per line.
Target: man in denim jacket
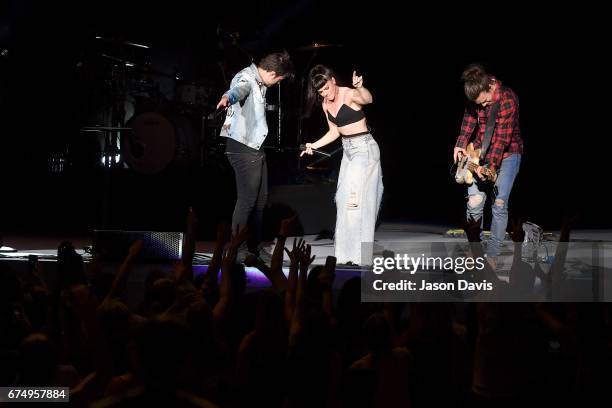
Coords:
pixel 246 129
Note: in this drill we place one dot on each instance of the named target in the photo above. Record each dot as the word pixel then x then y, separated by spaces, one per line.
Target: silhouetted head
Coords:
pixel 37 361
pixel 163 348
pixel 377 332
pixel 269 316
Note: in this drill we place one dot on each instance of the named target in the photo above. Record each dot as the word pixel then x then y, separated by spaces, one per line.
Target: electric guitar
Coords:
pixel 468 164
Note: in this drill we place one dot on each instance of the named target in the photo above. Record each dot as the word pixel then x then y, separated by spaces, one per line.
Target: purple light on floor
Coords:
pixel 255 279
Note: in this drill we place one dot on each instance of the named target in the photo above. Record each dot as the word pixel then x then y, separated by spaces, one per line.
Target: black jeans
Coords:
pixel 251 173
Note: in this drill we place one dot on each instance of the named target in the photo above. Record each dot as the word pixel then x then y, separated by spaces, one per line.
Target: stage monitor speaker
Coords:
pixel 113 245
pixel 313 204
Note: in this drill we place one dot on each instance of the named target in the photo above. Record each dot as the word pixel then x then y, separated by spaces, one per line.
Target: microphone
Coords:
pixel 221 110
pixel 303 147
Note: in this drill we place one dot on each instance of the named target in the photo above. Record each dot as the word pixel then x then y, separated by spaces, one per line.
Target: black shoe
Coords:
pixel 264 255
pixel 241 255
pixel 348 264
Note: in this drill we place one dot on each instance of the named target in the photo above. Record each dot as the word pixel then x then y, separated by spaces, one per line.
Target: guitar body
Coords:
pixel 467 165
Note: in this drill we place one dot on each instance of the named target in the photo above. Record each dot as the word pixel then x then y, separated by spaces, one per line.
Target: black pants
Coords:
pixel 251 173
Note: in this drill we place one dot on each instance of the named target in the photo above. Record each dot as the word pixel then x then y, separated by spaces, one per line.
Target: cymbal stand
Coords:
pixel 280 112
pixel 110 161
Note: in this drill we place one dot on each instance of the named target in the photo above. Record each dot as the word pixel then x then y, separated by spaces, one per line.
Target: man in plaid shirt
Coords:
pixel 504 153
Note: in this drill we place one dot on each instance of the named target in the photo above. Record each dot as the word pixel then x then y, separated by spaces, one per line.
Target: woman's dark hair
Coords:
pixel 317 78
pixel 475 80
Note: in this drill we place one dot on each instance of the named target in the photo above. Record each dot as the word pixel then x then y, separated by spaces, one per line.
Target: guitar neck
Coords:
pixel 473 167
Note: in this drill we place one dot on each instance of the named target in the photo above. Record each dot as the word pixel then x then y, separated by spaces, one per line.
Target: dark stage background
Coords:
pixel 57 77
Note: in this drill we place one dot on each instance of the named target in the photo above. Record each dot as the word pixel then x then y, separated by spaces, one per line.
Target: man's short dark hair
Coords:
pixel 278 62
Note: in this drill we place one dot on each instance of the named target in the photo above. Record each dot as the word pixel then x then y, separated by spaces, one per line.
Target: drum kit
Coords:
pixel 139 124
pixel 147 130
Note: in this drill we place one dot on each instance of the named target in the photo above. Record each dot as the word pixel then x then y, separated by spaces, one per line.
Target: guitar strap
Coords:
pixel 489 129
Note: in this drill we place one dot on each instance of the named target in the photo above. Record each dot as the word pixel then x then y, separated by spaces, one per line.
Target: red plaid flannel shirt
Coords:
pixel 506 137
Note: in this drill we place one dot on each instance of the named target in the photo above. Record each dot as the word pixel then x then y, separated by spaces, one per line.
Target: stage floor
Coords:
pixel 395 237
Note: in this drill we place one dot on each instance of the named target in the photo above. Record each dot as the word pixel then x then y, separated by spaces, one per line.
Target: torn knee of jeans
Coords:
pixel 500 203
pixel 352 202
pixel 475 200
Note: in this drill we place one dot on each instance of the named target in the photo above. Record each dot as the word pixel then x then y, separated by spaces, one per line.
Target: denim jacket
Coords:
pixel 245 121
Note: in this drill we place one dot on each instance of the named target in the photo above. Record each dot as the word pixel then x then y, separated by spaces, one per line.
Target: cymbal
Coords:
pixel 143 68
pixel 122 42
pixel 104 129
pixel 122 61
pixel 316 46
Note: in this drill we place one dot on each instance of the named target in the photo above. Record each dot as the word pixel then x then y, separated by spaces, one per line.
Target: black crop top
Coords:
pixel 346 116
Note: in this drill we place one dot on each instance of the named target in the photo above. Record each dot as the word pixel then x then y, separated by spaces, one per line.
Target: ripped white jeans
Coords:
pixel 358 198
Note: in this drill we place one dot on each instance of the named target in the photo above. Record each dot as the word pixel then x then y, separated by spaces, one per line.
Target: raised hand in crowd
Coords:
pixel 221 309
pixel 297 322
pixel 292 280
pixel 119 284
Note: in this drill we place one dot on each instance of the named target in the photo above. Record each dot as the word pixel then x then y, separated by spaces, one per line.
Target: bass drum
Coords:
pixel 159 141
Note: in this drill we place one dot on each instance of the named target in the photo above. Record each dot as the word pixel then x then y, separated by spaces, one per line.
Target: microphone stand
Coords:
pixel 325 157
pixel 301 104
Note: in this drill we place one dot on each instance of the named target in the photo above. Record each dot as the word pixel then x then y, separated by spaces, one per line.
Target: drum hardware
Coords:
pixel 193 94
pixel 111 156
pixel 57 162
pixel 110 159
pixel 317 46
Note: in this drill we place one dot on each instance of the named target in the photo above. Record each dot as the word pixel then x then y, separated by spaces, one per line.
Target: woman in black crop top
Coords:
pixel 360 187
pixel 342 106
